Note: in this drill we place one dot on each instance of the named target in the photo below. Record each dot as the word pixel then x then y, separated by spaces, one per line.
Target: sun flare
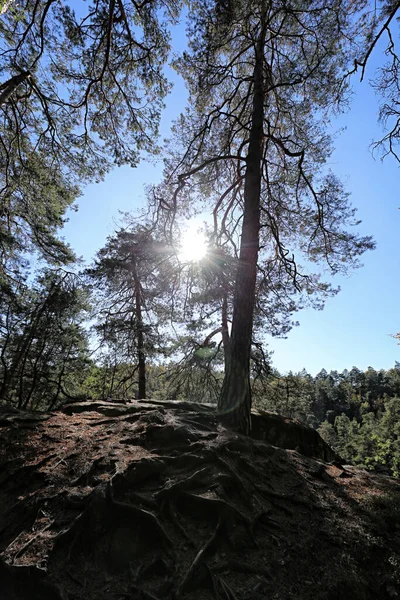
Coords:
pixel 193 245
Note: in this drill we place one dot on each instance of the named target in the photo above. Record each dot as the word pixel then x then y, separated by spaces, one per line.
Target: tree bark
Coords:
pixel 235 401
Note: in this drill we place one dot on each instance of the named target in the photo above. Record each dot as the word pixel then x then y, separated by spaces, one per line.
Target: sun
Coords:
pixel 193 246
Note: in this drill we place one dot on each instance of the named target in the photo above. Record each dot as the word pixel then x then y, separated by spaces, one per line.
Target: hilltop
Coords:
pixel 158 500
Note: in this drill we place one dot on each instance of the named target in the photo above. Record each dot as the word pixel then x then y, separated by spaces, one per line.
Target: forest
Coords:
pixel 82 91
pixel 149 448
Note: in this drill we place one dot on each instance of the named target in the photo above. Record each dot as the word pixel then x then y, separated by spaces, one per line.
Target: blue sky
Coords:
pixel 355 327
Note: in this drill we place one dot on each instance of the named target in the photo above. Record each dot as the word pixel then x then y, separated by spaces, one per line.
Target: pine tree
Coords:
pixel 264 78
pixel 130 278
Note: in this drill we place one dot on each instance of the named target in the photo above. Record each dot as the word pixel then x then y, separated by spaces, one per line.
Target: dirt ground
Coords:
pixel 152 500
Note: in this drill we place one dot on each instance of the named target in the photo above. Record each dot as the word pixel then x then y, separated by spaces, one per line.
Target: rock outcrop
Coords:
pixel 158 500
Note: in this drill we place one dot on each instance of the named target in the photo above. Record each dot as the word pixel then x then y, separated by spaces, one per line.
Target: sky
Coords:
pixel 356 325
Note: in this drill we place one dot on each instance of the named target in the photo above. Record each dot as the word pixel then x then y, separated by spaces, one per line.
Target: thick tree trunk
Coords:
pixel 141 363
pixel 235 400
pixel 4 382
pixel 20 357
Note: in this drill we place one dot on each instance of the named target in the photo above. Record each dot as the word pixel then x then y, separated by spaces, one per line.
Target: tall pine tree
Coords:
pixel 263 78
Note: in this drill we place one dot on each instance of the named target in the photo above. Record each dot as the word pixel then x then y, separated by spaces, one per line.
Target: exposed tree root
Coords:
pixel 190 577
pixel 22 549
pixel 105 515
pixel 226 592
pixel 175 520
pixel 199 479
pixel 241 566
pixel 242 485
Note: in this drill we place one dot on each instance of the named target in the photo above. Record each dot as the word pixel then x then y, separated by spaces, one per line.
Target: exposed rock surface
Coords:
pixel 157 500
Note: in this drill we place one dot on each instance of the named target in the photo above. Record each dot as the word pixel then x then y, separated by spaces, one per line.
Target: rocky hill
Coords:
pixel 153 500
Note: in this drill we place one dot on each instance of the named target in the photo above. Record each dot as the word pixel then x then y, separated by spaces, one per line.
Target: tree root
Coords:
pixel 175 520
pixel 248 467
pixel 226 592
pixel 167 436
pixel 229 514
pixel 197 479
pixel 27 472
pixel 27 582
pixel 75 579
pixel 139 472
pixel 268 522
pixel 200 557
pixel 104 514
pixel 30 541
pixel 129 512
pixel 189 460
pixel 140 594
pixel 142 501
pixel 83 479
pixel 265 517
pixel 243 486
pixel 220 588
pixel 240 566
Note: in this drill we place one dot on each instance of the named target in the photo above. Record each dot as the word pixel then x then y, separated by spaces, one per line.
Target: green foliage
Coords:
pixel 106 379
pixel 373 441
pixel 132 282
pixel 252 149
pixel 82 89
pixel 44 349
pixel 356 412
pixel 291 395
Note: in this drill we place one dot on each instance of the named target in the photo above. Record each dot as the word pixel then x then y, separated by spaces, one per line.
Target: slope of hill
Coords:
pixel 154 500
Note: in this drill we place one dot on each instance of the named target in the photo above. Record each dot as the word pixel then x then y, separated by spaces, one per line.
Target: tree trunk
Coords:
pixel 139 335
pixel 235 401
pixel 59 381
pixel 226 341
pixel 25 343
pixel 5 341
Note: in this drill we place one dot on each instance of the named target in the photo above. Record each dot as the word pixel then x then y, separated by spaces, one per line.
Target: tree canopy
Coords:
pixel 82 89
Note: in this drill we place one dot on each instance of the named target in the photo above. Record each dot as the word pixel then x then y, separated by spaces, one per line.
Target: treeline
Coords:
pixel 43 342
pixel 141 322
pixel 356 412
pixel 67 335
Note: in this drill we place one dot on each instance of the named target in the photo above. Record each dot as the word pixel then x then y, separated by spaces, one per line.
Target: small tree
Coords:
pixel 130 278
